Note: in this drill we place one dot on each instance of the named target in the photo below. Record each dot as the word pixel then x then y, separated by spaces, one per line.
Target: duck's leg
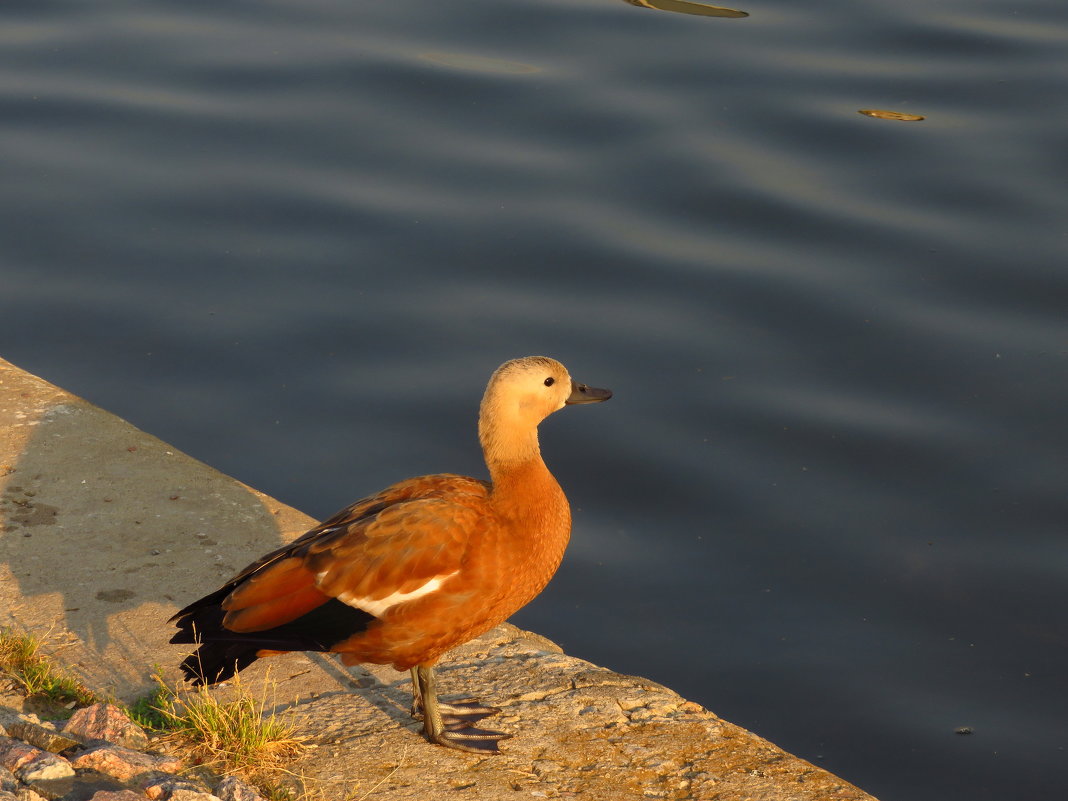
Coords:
pixel 450 724
pixel 465 710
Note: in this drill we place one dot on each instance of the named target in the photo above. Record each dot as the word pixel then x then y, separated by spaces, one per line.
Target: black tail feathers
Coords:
pixel 220 655
pixel 217 661
pixel 222 652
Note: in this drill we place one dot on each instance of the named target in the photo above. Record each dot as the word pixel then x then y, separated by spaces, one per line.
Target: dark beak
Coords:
pixel 580 393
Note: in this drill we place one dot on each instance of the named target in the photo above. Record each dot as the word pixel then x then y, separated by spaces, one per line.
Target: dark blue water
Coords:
pixel 830 498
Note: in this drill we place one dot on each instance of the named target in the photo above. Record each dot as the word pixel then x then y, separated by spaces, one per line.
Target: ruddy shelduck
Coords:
pixel 401 577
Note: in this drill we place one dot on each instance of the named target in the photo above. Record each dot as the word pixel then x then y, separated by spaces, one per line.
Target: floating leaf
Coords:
pixel 687 7
pixel 891 115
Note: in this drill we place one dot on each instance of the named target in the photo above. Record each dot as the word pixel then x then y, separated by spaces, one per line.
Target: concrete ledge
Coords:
pixel 105 531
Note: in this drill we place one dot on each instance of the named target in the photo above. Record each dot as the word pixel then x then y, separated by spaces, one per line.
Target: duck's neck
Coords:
pixel 506 446
pixel 522 484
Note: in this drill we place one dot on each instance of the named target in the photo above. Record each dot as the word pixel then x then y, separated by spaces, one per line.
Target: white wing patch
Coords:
pixel 378 606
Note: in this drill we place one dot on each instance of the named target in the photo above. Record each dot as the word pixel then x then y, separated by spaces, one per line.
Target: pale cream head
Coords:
pixel 530 389
pixel 520 394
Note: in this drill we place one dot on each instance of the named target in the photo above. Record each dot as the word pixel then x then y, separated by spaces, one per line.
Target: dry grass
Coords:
pixel 22 662
pixel 235 734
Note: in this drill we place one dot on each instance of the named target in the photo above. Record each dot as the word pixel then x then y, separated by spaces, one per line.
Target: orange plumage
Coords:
pixel 403 576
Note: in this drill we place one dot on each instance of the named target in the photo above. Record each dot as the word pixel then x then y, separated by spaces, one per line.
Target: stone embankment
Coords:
pixel 105 531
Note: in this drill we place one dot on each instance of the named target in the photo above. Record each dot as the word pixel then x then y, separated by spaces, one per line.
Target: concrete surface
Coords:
pixel 105 531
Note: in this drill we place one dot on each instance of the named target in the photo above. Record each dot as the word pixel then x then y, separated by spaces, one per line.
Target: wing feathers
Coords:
pixel 278 579
pixel 398 554
pixel 276 611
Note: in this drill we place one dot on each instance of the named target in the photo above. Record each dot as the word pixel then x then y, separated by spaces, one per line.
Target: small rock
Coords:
pixel 192 795
pixel 163 786
pixel 14 754
pixel 233 789
pixel 26 794
pixel 123 763
pixel 106 722
pixel 54 789
pixel 116 795
pixel 44 766
pixel 9 716
pixel 40 736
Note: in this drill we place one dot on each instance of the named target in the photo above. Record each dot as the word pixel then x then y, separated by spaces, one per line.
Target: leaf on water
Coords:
pixel 688 7
pixel 891 115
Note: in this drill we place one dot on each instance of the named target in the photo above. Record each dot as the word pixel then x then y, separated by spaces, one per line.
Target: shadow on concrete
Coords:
pixel 105 531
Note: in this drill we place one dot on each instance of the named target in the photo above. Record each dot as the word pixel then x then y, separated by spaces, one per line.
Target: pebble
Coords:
pixel 40 735
pixel 233 789
pixel 14 754
pixel 124 763
pixel 44 766
pixel 163 786
pixel 106 722
pixel 116 795
pixel 192 795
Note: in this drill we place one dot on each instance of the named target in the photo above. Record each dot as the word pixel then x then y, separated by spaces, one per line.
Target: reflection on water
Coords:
pixel 687 7
pixel 465 61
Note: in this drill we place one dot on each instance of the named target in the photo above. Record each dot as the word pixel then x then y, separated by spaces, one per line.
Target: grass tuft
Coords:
pixel 21 661
pixel 236 735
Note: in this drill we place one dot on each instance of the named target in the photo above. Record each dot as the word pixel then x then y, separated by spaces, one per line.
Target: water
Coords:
pixel 828 500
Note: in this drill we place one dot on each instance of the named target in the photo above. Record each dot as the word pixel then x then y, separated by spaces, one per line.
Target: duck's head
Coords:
pixel 523 392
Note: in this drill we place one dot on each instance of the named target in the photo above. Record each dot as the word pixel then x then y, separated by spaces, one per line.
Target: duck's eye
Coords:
pixel 550 381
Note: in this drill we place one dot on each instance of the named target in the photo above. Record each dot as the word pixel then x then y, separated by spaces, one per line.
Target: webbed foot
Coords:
pixel 451 724
pixel 467 738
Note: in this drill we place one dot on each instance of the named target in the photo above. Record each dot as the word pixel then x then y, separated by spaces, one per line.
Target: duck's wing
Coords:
pixel 407 551
pixel 383 550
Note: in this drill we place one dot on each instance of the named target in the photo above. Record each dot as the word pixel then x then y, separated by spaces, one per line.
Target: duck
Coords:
pixel 403 576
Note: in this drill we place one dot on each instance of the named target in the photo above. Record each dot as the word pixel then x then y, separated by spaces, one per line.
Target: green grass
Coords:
pixel 150 712
pixel 22 662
